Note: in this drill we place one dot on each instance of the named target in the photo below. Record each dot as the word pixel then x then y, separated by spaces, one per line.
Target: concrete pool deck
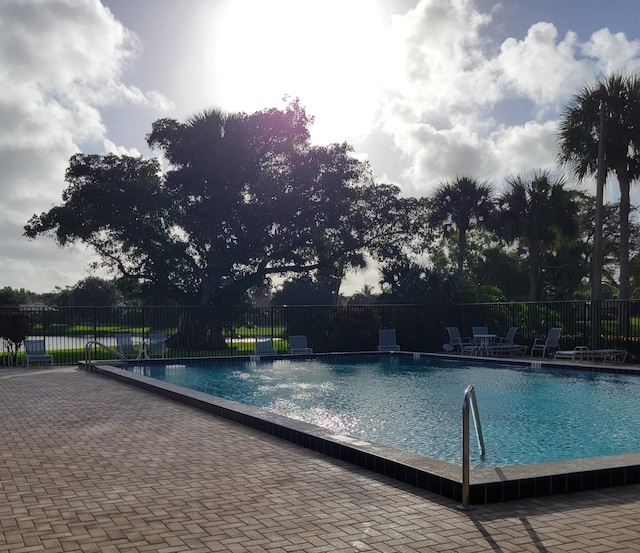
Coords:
pixel 90 464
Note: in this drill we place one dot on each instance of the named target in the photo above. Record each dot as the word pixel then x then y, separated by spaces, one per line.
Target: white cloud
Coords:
pixel 440 59
pixel 60 61
pixel 541 69
pixel 519 149
pixel 112 148
pixel 614 52
pixel 445 113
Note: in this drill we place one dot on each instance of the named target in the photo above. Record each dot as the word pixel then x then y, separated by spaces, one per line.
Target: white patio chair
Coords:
pixel 505 344
pixel 264 346
pixel 156 346
pixel 125 346
pixel 456 341
pixel 387 340
pixel 546 346
pixel 298 344
pixel 35 350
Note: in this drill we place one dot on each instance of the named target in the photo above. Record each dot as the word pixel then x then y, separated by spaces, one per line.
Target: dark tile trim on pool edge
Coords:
pixel 445 479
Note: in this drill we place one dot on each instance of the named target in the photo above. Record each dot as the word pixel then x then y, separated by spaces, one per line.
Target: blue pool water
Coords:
pixel 528 415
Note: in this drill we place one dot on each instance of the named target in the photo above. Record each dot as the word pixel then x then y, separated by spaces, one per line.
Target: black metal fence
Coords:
pixel 207 331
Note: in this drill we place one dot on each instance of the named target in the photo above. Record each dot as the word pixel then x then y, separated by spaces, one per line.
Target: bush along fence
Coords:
pixel 215 331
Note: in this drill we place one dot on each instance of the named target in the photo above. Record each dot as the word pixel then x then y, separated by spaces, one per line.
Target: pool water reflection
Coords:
pixel 528 415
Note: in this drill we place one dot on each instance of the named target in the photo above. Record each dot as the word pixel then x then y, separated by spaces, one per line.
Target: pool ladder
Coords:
pixel 469 405
pixel 87 353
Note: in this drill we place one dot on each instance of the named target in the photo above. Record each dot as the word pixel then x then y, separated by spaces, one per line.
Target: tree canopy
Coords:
pixel 461 203
pixel 578 144
pixel 537 212
pixel 246 196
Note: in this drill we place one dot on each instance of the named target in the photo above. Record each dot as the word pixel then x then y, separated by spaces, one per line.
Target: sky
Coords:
pixel 425 90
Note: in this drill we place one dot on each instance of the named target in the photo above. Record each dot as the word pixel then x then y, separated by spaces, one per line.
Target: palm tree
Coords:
pixel 578 144
pixel 536 212
pixel 461 203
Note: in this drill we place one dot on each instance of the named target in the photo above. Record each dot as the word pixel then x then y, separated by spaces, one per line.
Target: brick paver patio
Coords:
pixel 90 464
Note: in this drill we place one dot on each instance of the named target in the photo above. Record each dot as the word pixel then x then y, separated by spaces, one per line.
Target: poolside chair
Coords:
pixel 298 344
pixel 456 341
pixel 610 355
pixel 579 353
pixel 475 331
pixel 34 349
pixel 481 341
pixel 505 344
pixel 583 353
pixel 125 346
pixel 507 339
pixel 156 345
pixel 548 345
pixel 387 340
pixel 264 346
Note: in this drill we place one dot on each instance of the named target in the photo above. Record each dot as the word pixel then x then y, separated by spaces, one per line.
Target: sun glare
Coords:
pixel 329 53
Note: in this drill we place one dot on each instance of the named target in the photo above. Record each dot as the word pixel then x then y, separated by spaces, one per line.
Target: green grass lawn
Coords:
pixel 72 356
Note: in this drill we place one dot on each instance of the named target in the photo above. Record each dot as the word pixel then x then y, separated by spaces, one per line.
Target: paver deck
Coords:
pixel 90 464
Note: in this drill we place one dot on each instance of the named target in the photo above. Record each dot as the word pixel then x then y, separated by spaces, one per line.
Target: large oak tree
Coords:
pixel 246 196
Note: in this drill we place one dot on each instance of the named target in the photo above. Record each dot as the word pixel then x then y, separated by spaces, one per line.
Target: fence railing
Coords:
pixel 207 331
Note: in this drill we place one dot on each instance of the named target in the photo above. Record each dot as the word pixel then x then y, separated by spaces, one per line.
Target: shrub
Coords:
pixel 15 326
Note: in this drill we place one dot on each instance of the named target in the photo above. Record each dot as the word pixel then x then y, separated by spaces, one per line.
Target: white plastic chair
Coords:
pixel 125 346
pixel 264 346
pixel 35 351
pixel 456 341
pixel 506 344
pixel 546 346
pixel 298 344
pixel 156 346
pixel 507 339
pixel 387 340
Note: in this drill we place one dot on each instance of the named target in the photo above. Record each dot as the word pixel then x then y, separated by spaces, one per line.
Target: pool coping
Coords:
pixel 486 485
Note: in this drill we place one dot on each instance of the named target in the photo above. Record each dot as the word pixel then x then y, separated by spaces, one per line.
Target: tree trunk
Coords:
pixel 534 272
pixel 625 208
pixel 462 249
pixel 625 285
pixel 201 328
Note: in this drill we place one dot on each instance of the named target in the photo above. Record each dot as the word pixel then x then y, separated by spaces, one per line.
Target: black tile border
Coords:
pixel 445 479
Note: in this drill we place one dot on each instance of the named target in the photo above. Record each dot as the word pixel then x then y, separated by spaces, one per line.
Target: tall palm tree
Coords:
pixel 578 144
pixel 461 203
pixel 536 213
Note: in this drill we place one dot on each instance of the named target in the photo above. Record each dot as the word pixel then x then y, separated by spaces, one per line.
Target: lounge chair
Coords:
pixel 507 339
pixel 579 353
pixel 611 355
pixel 156 345
pixel 35 351
pixel 456 341
pixel 548 345
pixel 505 344
pixel 264 346
pixel 298 344
pixel 583 353
pixel 387 340
pixel 125 346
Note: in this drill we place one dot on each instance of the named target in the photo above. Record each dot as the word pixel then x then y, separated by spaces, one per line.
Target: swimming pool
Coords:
pixel 528 415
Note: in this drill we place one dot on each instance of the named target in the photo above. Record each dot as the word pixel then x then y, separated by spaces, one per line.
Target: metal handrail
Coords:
pixel 469 404
pixel 87 352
